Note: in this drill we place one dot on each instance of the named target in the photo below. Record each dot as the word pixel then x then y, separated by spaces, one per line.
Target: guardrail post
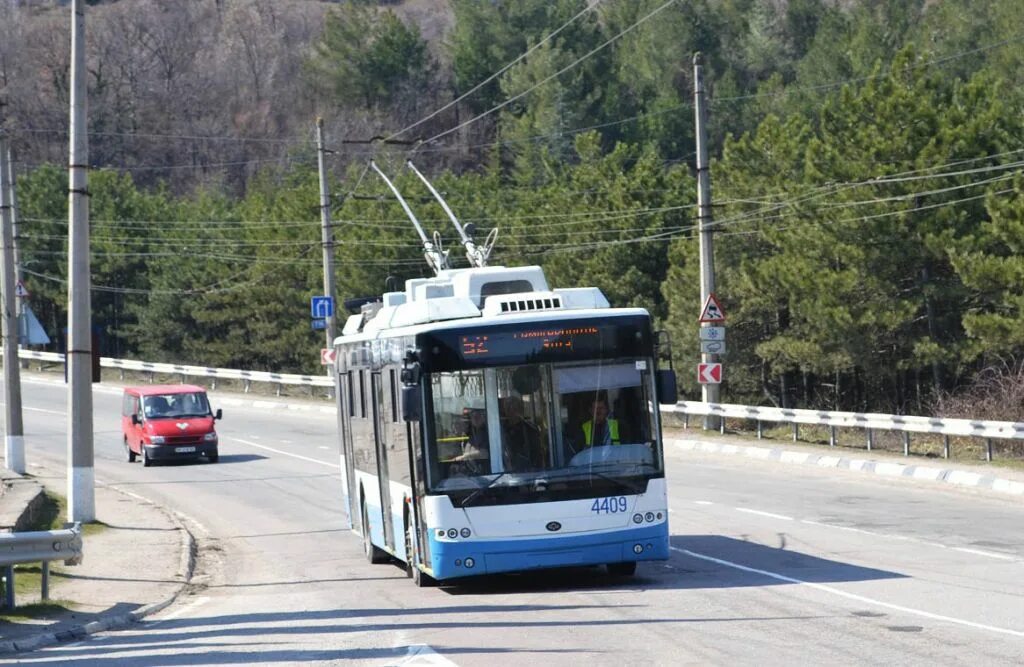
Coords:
pixel 871 439
pixel 796 432
pixel 46 580
pixel 213 384
pixel 181 378
pixel 152 377
pixel 906 443
pixel 246 386
pixel 686 420
pixel 120 373
pixel 831 436
pixel 280 388
pixel 760 429
pixel 945 446
pixel 721 425
pixel 9 586
pixel 988 449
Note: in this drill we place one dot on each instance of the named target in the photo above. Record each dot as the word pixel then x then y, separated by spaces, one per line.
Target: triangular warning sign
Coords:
pixel 19 290
pixel 712 311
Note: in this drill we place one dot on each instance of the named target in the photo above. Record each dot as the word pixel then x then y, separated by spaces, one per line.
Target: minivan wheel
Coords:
pixel 129 454
pixel 146 461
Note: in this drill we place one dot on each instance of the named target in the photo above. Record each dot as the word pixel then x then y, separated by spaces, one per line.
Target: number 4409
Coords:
pixel 612 505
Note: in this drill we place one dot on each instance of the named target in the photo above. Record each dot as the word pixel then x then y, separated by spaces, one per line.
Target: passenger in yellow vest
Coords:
pixel 599 430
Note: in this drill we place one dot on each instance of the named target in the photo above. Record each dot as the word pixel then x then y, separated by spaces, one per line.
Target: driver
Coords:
pixel 599 429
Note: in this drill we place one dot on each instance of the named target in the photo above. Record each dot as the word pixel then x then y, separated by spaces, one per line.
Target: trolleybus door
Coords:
pixel 344 398
pixel 382 438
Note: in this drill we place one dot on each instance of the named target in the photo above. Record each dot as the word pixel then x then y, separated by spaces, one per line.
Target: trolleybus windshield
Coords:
pixel 543 430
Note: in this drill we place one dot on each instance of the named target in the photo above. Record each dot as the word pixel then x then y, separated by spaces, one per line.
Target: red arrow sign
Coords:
pixel 326 356
pixel 709 373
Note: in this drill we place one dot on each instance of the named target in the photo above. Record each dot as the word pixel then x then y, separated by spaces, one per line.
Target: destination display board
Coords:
pixel 627 336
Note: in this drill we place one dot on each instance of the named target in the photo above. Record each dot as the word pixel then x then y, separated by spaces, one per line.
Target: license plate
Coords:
pixel 184 450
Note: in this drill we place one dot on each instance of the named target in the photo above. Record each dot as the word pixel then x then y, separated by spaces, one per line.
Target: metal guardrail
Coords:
pixel 247 377
pixel 870 422
pixel 42 546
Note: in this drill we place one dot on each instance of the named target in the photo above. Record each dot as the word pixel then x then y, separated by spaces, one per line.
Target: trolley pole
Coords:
pixel 14 440
pixel 327 233
pixel 81 472
pixel 710 392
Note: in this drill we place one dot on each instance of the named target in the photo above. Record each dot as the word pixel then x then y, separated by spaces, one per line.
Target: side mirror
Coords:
pixel 668 394
pixel 411 402
pixel 410 374
pixel 219 414
pixel 136 420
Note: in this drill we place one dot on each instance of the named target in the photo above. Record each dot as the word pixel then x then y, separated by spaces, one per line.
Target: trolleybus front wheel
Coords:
pixel 622 569
pixel 373 554
pixel 418 576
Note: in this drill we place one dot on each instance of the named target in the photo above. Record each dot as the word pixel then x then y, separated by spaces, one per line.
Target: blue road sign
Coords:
pixel 321 307
pixel 319 324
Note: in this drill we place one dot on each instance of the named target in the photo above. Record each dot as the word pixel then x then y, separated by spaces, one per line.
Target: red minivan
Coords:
pixel 161 422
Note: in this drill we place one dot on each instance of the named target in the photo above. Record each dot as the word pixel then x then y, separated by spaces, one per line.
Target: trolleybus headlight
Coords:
pixel 469 562
pixel 638 518
pixel 464 532
pixel 452 533
pixel 638 548
pixel 649 516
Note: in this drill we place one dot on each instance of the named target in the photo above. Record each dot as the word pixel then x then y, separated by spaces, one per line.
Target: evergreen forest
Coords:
pixel 867 171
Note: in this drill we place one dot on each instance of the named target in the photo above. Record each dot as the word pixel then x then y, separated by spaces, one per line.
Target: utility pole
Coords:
pixel 18 275
pixel 14 440
pixel 326 233
pixel 81 471
pixel 710 392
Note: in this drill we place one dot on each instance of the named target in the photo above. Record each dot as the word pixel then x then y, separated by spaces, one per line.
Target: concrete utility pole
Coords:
pixel 14 441
pixel 12 200
pixel 710 392
pixel 81 471
pixel 327 233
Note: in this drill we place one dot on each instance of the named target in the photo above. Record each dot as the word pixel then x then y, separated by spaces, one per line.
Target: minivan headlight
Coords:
pixel 156 439
pixel 210 437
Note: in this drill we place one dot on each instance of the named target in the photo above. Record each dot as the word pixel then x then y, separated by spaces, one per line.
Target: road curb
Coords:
pixel 891 469
pixel 187 561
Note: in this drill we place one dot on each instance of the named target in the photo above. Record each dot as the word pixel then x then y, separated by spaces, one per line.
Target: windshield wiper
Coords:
pixel 580 470
pixel 477 492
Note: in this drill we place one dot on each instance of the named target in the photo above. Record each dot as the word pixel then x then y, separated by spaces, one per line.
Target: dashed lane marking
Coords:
pixel 334 466
pixel 767 514
pixel 198 602
pixel 986 554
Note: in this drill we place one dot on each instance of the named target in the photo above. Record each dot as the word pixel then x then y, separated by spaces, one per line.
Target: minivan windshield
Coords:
pixel 569 424
pixel 175 406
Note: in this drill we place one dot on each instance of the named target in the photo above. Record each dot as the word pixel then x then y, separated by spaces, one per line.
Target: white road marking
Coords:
pixel 987 554
pixel 767 514
pixel 851 596
pixel 198 602
pixel 421 654
pixel 323 447
pixel 49 412
pixel 703 502
pixel 335 466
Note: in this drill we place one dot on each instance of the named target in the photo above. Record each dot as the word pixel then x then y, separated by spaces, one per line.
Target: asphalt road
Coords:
pixel 771 564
